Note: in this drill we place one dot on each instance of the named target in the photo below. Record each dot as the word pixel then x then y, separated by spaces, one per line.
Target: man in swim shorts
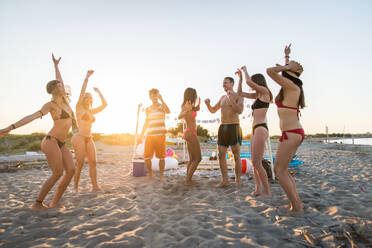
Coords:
pixel 155 133
pixel 229 132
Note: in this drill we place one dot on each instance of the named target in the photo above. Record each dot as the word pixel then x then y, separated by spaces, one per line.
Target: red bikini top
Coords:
pixel 194 114
pixel 281 105
pixel 86 117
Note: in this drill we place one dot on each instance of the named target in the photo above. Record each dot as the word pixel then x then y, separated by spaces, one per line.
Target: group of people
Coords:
pixel 289 100
pixel 58 155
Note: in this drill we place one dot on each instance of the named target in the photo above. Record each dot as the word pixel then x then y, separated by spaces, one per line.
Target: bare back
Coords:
pixel 190 120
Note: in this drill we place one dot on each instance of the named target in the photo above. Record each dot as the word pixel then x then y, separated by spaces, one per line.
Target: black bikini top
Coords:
pixel 259 104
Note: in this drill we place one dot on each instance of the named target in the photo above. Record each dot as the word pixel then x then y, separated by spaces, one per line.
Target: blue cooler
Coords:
pixel 139 168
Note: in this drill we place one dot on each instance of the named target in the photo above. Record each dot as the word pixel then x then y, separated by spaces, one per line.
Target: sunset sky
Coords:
pixel 134 46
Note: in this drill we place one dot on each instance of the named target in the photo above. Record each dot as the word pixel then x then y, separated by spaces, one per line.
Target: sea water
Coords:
pixel 357 141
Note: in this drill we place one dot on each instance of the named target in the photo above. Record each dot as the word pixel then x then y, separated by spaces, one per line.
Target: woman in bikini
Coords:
pixel 260 131
pixel 82 141
pixel 53 145
pixel 289 100
pixel 188 113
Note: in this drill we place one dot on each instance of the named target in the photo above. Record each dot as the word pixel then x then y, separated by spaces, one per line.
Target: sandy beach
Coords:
pixel 335 185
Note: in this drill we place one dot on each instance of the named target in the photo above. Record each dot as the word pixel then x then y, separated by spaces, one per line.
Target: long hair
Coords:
pixel 296 81
pixel 86 95
pixel 260 80
pixel 189 95
pixel 51 85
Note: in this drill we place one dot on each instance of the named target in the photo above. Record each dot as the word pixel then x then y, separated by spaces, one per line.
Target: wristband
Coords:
pixel 13 126
pixel 286 56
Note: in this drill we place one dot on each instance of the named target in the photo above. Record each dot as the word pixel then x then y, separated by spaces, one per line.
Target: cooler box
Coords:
pixel 139 168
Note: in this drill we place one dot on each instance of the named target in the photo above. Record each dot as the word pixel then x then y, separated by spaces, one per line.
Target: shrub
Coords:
pixel 34 146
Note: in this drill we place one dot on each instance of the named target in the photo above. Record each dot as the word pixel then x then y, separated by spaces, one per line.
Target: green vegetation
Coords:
pixel 15 144
pixel 178 131
pixel 19 144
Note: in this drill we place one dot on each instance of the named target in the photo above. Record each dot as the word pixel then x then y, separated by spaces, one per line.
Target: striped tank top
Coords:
pixel 156 120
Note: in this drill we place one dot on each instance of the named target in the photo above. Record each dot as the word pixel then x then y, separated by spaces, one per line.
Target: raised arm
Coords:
pixel 240 90
pixel 163 104
pixel 258 88
pixel 197 107
pixel 287 51
pixel 236 104
pixel 25 120
pixel 103 101
pixel 215 108
pixel 56 68
pixel 273 72
pixel 84 86
pixel 239 73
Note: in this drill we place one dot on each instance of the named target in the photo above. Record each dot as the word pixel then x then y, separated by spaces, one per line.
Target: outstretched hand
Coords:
pixel 207 101
pixel 55 61
pixel 287 50
pixel 89 73
pixel 96 90
pixel 244 68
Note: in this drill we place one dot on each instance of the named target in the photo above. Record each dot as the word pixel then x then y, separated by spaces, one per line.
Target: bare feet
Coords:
pixel 297 212
pixel 161 179
pixel 39 207
pixel 96 189
pixel 237 182
pixel 149 178
pixel 190 183
pixel 256 193
pixel 264 195
pixel 223 184
pixel 55 204
pixel 286 208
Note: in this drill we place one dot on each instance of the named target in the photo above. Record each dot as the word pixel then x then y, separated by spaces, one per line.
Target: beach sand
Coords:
pixel 335 185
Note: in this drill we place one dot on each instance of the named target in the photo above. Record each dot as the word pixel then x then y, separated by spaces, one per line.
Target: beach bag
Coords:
pixel 266 164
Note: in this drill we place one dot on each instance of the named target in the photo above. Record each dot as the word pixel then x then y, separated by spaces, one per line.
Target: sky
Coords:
pixel 134 46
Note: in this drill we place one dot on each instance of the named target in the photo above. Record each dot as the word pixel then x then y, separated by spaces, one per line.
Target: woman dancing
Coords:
pixel 289 100
pixel 53 145
pixel 188 113
pixel 260 131
pixel 82 141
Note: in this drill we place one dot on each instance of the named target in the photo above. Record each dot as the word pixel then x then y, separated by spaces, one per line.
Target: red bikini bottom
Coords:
pixel 299 131
pixel 189 130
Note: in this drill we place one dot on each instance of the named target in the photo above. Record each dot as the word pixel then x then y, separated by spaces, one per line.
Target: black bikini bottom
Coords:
pixel 60 143
pixel 260 125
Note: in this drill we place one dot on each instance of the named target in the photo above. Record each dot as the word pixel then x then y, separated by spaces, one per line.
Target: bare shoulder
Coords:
pixel 223 99
pixel 51 105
